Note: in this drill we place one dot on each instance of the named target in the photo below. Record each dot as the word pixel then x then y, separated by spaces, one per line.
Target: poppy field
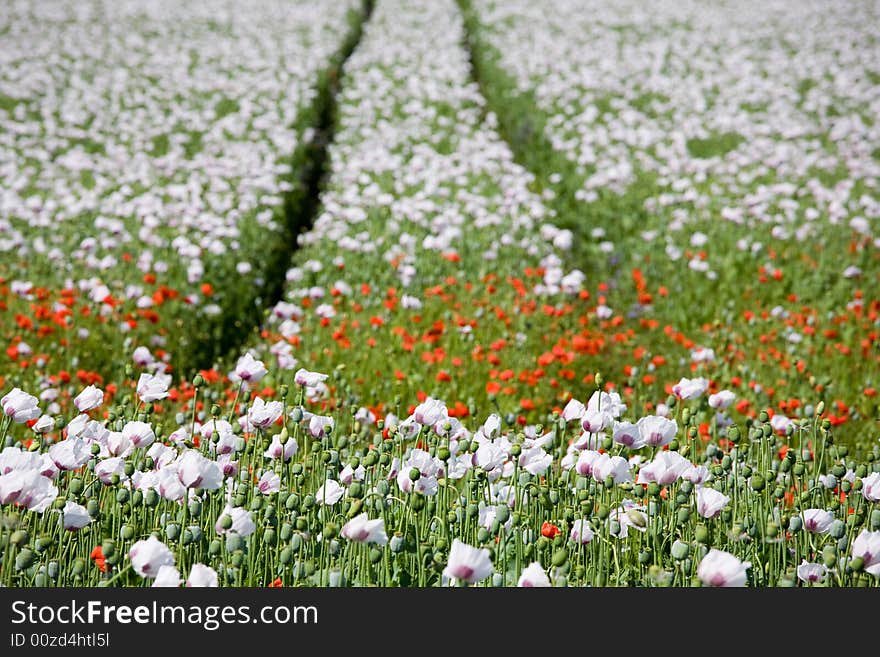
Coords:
pixel 410 293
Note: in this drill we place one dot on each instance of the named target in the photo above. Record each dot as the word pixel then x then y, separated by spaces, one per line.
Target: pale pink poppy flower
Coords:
pixel 75 516
pixel 70 454
pixel 28 489
pixel 811 573
pixel 665 469
pixel 20 406
pixel 309 379
pixel 690 388
pixel 329 493
pixel 262 415
pixel 148 556
pixel 242 523
pixel 467 563
pixel 168 577
pixel 871 487
pixel 269 483
pixel 867 547
pixel 628 435
pixel 722 569
pixel 581 532
pixel 722 399
pixel 533 576
pixel 202 576
pixel 88 399
pixel 656 431
pixel 196 471
pixel 139 433
pixel 153 387
pixel 363 530
pixel 710 502
pixel 817 521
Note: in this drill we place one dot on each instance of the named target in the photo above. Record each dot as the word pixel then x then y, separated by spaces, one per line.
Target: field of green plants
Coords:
pixel 431 293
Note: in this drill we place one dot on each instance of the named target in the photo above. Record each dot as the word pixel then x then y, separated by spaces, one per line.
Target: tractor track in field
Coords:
pixel 301 205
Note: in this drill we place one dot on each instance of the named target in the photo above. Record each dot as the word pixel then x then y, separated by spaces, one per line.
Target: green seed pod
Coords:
pixel 126 532
pixel 75 486
pixel 122 495
pixel 795 524
pixel 829 556
pixel 25 559
pixel 356 490
pixel 603 511
pixel 331 530
pixel 375 556
pixel 680 550
pixel 269 537
pixel 560 557
pixel 654 489
pixel 482 535
pixel 19 537
pixel 856 564
pixel 234 542
pixel 286 556
pixel 172 531
pixel 683 516
pixel 874 520
pixel 43 543
pixel 417 501
pixel 645 556
pixel 151 498
pixel 195 508
pixel 757 482
pixel 214 547
pixel 701 533
pixel 302 524
pixel 237 559
pixel 726 463
pixel 837 529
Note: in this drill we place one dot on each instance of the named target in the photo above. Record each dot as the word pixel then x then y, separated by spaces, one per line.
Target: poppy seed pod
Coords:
pixel 837 529
pixel 680 550
pixel 560 557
